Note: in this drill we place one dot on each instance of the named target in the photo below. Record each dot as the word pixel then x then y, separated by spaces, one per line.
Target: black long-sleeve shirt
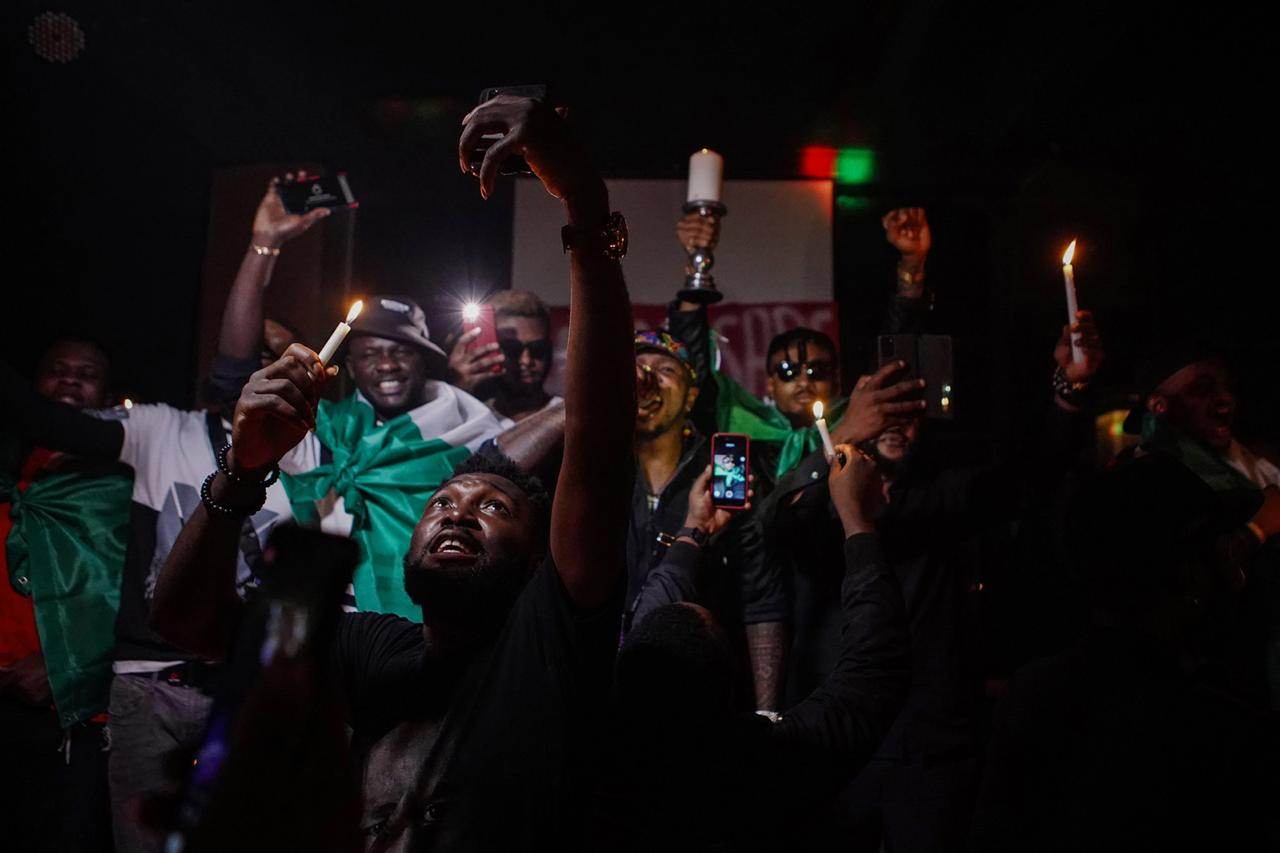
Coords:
pixel 744 783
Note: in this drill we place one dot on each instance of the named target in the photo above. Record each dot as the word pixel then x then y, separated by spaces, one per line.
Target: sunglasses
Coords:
pixel 539 350
pixel 815 371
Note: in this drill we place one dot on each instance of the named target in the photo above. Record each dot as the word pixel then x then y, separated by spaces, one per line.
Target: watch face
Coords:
pixel 618 236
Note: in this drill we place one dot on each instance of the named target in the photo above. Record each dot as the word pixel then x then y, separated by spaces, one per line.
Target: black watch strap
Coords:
pixel 609 239
pixel 697 534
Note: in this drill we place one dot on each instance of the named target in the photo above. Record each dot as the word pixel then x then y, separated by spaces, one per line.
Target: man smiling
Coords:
pixel 373 458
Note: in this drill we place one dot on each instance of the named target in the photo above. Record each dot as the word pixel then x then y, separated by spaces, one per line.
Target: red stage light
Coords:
pixel 818 161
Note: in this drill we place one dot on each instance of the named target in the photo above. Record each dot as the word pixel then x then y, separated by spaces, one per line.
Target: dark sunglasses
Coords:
pixel 539 350
pixel 816 371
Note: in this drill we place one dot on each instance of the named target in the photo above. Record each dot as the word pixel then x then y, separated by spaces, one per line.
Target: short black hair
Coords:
pixel 797 336
pixel 490 460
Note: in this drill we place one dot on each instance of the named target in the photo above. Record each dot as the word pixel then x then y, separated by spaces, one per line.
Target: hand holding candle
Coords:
pixel 340 333
pixel 821 423
pixel 1069 279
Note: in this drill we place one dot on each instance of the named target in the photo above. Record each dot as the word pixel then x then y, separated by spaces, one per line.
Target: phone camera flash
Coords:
pixel 471 312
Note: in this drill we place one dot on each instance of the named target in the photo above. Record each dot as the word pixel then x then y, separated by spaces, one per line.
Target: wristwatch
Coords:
pixel 697 534
pixel 609 239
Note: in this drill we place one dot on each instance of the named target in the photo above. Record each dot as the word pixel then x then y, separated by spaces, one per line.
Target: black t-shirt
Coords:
pixel 515 722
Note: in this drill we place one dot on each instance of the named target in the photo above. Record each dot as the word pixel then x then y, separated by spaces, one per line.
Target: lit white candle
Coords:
pixel 821 423
pixel 1069 279
pixel 706 176
pixel 340 333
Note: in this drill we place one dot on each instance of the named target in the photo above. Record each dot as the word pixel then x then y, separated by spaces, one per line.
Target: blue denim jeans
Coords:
pixel 152 723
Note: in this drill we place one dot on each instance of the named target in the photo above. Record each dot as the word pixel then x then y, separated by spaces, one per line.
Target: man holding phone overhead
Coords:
pixel 471 726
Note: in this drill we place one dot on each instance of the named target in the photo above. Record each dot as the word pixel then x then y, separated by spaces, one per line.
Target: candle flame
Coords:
pixel 818 410
pixel 128 404
pixel 354 312
pixel 1069 254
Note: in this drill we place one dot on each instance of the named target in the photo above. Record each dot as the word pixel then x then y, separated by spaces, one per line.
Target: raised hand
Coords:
pixel 535 131
pixel 907 230
pixel 857 489
pixel 277 408
pixel 703 514
pixel 273 225
pixel 1090 342
pixel 698 232
pixel 875 405
pixel 469 367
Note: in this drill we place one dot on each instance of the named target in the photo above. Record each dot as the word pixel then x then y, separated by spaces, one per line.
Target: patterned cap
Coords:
pixel 662 342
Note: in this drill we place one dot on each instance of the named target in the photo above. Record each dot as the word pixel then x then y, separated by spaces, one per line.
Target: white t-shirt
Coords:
pixel 171 455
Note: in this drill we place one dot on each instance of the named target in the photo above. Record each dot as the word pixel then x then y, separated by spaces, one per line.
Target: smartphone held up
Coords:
pixel 730 474
pixel 307 194
pixel 511 166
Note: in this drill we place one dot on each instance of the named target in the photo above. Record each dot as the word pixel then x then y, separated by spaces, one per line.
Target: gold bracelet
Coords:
pixel 267 250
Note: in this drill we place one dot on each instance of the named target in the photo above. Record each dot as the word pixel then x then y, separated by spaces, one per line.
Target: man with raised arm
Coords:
pixel 159 697
pixel 470 727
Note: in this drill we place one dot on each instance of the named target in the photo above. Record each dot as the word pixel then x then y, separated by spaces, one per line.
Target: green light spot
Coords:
pixel 852 202
pixel 855 165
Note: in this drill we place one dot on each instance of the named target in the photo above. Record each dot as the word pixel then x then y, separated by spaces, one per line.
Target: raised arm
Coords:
pixel 240 338
pixel 849 714
pixel 588 519
pixel 689 323
pixel 56 426
pixel 195 605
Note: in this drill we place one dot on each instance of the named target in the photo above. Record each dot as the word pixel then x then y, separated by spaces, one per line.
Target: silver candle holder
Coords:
pixel 700 285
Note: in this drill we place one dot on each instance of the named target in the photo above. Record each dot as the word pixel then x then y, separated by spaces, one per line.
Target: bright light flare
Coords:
pixel 1069 254
pixel 471 312
pixel 356 307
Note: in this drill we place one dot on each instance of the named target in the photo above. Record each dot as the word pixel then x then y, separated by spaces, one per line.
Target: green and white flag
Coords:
pixel 377 481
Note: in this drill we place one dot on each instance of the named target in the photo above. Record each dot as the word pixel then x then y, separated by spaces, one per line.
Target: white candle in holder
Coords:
pixel 706 176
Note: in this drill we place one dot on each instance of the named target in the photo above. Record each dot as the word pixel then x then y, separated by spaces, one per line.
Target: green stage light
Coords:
pixel 855 165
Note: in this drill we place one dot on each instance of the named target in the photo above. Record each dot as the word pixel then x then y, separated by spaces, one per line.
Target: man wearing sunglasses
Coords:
pixel 522 358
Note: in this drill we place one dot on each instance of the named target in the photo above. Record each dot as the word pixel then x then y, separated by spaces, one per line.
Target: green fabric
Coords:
pixel 1157 435
pixel 738 410
pixel 68 541
pixel 384 474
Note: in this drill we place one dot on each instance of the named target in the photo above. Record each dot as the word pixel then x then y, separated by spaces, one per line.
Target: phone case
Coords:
pixel 746 467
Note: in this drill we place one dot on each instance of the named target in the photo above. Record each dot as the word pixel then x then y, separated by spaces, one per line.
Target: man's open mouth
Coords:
pixel 454 542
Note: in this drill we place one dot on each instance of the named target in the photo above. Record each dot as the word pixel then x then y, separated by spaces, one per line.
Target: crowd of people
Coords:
pixel 548 633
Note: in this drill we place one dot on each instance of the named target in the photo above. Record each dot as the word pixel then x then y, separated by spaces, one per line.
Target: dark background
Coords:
pixel 1017 125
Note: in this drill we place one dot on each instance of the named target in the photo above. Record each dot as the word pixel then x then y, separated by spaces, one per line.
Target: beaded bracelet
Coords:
pixel 1070 392
pixel 225 468
pixel 237 512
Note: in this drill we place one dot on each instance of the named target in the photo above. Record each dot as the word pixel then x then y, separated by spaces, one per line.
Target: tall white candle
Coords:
pixel 706 176
pixel 340 333
pixel 1069 280
pixel 821 423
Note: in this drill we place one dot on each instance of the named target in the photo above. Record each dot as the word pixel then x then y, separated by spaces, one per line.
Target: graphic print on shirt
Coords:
pixel 179 502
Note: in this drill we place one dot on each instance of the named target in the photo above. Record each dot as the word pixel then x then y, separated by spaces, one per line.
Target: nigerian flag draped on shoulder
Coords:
pixel 370 480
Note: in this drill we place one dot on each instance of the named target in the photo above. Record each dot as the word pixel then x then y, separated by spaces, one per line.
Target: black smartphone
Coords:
pixel 512 166
pixel 928 357
pixel 730 472
pixel 306 195
pixel 288 622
